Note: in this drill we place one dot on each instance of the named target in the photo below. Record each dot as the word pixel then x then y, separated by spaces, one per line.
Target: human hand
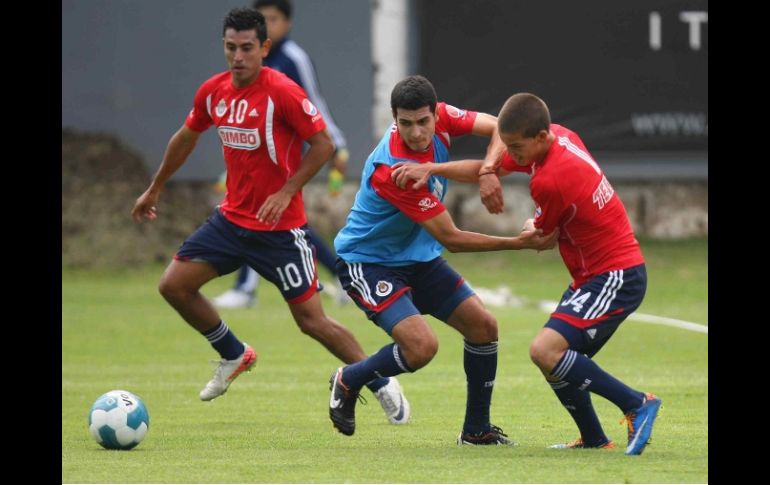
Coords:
pixel 145 206
pixel 273 207
pixel 529 225
pixel 491 192
pixel 534 238
pixel 403 172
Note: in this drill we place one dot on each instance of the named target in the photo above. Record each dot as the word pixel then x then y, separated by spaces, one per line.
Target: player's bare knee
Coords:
pixel 481 330
pixel 169 289
pixel 308 325
pixel 487 329
pixel 538 353
pixel 420 351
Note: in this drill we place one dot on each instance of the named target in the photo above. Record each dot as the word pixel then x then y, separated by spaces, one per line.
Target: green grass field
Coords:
pixel 273 426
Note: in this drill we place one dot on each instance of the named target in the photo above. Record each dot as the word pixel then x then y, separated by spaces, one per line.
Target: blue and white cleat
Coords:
pixel 639 422
pixel 393 402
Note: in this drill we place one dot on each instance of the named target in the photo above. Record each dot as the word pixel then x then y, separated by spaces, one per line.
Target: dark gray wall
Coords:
pixel 594 64
pixel 131 68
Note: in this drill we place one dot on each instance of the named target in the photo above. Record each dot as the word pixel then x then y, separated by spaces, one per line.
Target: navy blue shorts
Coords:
pixel 588 316
pixel 285 258
pixel 388 294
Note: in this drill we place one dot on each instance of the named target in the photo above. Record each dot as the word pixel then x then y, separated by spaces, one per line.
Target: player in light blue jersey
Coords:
pixel 391 265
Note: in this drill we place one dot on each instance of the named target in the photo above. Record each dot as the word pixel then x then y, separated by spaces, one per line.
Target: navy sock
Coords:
pixel 388 361
pixel 378 383
pixel 579 405
pixel 583 373
pixel 480 362
pixel 224 341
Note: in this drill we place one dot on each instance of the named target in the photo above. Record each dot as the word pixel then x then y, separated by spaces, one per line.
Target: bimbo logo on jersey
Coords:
pixel 245 139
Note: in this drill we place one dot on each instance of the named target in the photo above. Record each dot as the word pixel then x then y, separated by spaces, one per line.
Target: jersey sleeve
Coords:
pixel 304 74
pixel 417 205
pixel 199 119
pixel 508 164
pixel 301 114
pixel 456 121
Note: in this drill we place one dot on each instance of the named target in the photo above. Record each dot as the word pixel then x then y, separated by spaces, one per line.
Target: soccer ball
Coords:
pixel 118 420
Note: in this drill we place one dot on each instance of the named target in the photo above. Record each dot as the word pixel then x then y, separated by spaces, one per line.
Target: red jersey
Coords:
pixel 421 205
pixel 261 128
pixel 571 192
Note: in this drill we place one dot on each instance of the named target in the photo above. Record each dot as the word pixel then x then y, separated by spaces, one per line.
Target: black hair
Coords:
pixel 244 18
pixel 413 92
pixel 524 113
pixel 283 5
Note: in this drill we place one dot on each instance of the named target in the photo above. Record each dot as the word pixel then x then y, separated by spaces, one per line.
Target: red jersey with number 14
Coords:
pixel 261 128
pixel 571 192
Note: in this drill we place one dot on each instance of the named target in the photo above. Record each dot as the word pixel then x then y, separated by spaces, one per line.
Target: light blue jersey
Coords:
pixel 378 232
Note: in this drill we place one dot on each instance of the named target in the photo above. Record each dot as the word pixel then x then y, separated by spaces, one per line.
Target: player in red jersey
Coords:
pixel 262 118
pixel 598 246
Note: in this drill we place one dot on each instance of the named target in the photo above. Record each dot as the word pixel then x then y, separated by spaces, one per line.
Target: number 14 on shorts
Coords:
pixel 577 300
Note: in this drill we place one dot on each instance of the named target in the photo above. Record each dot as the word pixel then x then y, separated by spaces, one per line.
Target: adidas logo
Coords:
pixel 253 113
pixel 591 332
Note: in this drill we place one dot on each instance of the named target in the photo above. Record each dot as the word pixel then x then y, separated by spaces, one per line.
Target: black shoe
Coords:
pixel 342 404
pixel 494 436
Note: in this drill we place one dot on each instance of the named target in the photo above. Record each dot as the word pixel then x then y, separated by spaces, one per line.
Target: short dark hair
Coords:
pixel 283 5
pixel 524 113
pixel 244 18
pixel 413 92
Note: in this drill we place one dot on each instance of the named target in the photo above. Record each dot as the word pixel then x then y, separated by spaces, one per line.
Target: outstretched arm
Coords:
pixel 460 170
pixel 425 209
pixel 321 148
pixel 181 144
pixel 455 240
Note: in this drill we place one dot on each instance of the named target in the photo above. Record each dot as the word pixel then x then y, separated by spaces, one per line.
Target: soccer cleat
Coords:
pixel 337 293
pixel 341 296
pixel 226 373
pixel 494 436
pixel 639 422
pixel 342 404
pixel 578 443
pixel 394 402
pixel 234 299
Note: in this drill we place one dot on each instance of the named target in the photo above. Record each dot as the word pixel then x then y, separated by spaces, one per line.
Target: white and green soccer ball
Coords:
pixel 118 420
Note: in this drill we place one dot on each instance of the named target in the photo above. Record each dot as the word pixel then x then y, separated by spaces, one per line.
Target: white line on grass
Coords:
pixel 549 306
pixel 502 296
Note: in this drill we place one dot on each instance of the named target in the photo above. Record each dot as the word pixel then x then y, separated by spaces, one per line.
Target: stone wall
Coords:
pixel 668 210
pixel 102 177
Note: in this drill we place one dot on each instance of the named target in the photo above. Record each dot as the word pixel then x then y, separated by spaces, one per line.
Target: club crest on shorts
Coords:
pixel 383 288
